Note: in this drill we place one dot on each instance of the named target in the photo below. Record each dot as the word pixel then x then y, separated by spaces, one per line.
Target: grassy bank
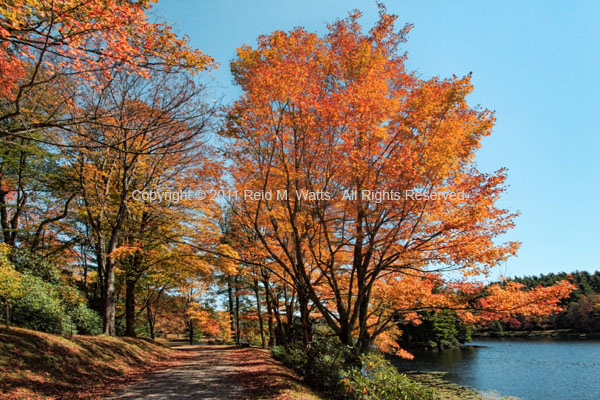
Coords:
pixel 36 365
pixel 451 391
pixel 445 389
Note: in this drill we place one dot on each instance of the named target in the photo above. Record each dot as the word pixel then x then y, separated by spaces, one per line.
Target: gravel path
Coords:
pixel 210 372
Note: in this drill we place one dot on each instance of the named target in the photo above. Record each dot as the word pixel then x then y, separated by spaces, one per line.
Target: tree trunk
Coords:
pixel 272 340
pixel 231 310
pixel 304 317
pixel 238 336
pixel 150 319
pixel 191 326
pixel 4 216
pixel 109 300
pixel 270 313
pixel 261 323
pixel 130 307
pixel 364 338
pixel 7 315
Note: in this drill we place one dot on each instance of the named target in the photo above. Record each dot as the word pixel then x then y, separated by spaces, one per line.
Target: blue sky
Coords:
pixel 536 63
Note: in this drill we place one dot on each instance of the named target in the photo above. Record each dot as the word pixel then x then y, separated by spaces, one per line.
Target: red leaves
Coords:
pixel 11 72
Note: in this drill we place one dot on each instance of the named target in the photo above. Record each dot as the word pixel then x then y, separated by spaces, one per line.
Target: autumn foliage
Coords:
pixel 359 208
pixel 321 118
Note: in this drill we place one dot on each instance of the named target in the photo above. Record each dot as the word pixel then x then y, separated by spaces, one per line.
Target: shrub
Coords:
pixel 27 262
pixel 326 359
pixel 328 365
pixel 40 308
pixel 279 353
pixel 378 379
pixel 50 302
pixel 86 320
pixel 292 356
pixel 440 329
pixel 321 363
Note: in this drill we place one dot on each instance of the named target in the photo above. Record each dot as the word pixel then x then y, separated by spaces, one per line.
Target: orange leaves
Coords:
pixel 341 113
pixel 504 301
pixel 227 261
pixel 11 71
pixel 95 36
pixel 123 252
pixel 204 319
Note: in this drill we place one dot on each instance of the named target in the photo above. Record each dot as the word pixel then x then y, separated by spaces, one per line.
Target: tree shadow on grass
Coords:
pixel 50 365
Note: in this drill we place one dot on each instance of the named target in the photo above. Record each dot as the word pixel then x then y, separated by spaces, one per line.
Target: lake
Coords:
pixel 528 369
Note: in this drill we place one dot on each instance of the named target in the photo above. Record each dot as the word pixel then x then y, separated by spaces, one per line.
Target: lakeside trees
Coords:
pixel 97 104
pixel 330 122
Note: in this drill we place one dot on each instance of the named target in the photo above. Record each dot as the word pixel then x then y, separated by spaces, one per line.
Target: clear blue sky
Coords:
pixel 536 63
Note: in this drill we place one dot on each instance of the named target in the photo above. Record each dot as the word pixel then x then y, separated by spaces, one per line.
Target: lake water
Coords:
pixel 528 369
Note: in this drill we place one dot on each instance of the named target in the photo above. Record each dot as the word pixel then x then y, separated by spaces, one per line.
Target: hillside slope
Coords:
pixel 36 365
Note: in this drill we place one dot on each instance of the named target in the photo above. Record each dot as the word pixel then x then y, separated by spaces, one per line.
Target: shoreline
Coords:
pixel 538 334
pixel 448 390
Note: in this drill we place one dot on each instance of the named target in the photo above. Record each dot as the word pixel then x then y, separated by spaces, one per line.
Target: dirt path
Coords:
pixel 219 372
pixel 208 372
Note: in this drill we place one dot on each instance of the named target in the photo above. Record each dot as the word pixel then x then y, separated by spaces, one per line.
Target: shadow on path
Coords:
pixel 209 373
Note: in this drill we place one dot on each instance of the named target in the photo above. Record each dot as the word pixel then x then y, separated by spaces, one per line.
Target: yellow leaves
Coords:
pixel 11 281
pixel 227 260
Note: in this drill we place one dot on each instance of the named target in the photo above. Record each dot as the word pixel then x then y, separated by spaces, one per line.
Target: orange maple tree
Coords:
pixel 358 180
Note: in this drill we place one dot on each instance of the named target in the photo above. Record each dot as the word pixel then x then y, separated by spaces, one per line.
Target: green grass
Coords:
pixel 35 365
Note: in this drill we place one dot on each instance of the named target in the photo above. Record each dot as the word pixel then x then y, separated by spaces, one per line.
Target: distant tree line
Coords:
pixel 582 307
pixel 442 329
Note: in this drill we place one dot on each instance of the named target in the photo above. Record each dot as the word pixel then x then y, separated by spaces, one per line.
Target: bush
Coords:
pixel 278 353
pixel 27 262
pixel 40 308
pixel 378 379
pixel 43 308
pixel 86 320
pixel 327 358
pixel 321 363
pixel 440 329
pixel 50 302
pixel 328 365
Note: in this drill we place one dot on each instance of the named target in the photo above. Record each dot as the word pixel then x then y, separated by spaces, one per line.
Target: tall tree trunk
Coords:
pixel 304 317
pixel 271 325
pixel 133 274
pixel 4 216
pixel 238 336
pixel 270 313
pixel 261 323
pixel 7 314
pixel 150 318
pixel 191 331
pixel 109 313
pixel 289 304
pixel 231 310
pixel 130 306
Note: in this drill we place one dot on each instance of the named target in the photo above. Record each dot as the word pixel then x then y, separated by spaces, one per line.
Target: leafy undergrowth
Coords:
pixel 36 365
